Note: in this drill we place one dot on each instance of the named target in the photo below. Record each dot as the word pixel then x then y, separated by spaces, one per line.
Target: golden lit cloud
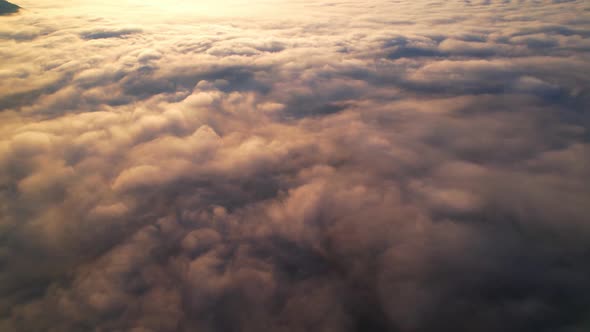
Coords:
pixel 294 166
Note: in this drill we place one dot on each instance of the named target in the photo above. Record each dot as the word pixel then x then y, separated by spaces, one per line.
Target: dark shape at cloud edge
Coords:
pixel 7 8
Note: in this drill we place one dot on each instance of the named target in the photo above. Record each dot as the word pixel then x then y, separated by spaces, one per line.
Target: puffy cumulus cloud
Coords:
pixel 368 166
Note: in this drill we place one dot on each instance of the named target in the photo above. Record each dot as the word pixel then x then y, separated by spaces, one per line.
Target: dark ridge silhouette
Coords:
pixel 7 8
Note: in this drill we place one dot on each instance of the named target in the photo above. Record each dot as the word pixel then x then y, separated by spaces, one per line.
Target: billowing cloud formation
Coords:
pixel 373 166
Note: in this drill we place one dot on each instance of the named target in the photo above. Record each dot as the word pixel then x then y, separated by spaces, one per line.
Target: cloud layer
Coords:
pixel 311 166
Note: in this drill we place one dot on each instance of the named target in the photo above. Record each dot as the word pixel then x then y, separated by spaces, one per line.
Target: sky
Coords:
pixel 271 165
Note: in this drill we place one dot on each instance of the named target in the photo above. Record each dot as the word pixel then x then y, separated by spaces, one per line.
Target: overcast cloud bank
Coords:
pixel 312 166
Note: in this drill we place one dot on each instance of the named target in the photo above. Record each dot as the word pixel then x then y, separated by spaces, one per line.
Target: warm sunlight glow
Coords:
pixel 154 10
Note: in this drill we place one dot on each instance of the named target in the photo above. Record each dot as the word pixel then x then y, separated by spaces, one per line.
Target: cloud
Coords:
pixel 103 34
pixel 334 169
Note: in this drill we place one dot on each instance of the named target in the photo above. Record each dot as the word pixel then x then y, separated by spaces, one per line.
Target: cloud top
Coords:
pixel 403 166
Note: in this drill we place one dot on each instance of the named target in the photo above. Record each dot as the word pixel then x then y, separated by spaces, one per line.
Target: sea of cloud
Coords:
pixel 404 166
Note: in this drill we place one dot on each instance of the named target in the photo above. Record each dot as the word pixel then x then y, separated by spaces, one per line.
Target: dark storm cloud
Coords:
pixel 423 173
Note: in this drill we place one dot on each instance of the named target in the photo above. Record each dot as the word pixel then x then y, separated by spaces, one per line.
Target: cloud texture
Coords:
pixel 406 166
